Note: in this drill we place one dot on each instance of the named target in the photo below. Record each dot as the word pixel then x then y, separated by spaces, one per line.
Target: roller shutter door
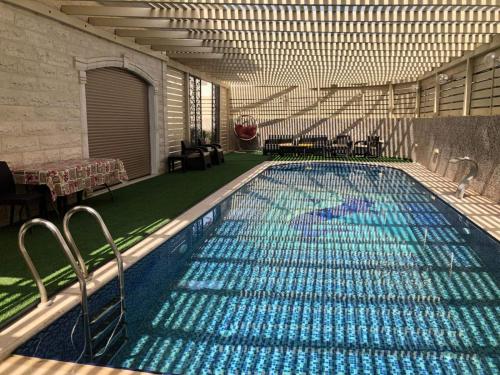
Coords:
pixel 118 119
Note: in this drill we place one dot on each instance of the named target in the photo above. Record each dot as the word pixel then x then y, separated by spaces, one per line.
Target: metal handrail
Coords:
pixel 78 265
pixel 107 235
pixel 464 184
pixel 73 262
pixel 57 234
pixel 74 249
pixel 119 262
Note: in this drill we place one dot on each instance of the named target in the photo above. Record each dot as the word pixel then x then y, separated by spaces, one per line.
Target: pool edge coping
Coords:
pixel 37 319
pixel 31 323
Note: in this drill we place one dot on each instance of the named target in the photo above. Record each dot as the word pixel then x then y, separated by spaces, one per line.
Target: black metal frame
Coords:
pixel 194 109
pixel 215 113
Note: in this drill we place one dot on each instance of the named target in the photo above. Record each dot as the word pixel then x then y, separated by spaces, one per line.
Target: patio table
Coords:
pixel 290 148
pixel 66 177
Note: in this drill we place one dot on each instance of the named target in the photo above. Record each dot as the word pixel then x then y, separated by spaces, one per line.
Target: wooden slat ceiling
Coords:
pixel 299 42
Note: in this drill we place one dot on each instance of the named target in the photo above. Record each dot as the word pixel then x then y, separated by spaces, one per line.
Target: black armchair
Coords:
pixel 341 145
pixel 371 147
pixel 195 157
pixel 374 144
pixel 9 196
pixel 216 151
pixel 360 148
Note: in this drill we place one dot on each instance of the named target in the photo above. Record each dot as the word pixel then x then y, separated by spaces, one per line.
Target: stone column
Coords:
pixel 82 78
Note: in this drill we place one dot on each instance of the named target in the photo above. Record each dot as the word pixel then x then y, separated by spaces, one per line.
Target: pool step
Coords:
pixel 112 306
pixel 103 330
pixel 108 337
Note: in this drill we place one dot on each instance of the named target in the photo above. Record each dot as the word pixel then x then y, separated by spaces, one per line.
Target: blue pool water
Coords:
pixel 311 268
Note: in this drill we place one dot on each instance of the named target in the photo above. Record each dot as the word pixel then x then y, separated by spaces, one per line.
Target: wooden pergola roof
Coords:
pixel 301 42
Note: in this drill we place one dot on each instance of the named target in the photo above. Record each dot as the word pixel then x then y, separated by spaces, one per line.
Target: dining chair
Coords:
pixel 10 197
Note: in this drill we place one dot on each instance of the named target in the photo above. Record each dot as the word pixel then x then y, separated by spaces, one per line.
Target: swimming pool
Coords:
pixel 310 268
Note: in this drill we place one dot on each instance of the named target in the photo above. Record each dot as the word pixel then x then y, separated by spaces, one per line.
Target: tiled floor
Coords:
pixel 479 209
pixel 19 365
pixel 482 211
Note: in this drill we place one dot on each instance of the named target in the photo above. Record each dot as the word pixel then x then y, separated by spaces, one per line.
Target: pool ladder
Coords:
pixel 105 330
pixel 466 180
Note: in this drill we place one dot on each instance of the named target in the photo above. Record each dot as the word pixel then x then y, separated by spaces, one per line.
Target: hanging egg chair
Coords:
pixel 245 128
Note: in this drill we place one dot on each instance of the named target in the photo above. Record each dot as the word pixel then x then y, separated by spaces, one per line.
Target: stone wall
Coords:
pixel 476 137
pixel 39 85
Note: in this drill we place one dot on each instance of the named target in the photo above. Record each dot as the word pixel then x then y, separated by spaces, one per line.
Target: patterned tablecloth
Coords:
pixel 70 176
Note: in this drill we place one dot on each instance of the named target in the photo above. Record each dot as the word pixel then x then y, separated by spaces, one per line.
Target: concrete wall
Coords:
pixel 476 137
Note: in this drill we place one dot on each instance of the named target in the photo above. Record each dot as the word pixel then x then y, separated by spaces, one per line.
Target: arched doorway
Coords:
pixel 118 121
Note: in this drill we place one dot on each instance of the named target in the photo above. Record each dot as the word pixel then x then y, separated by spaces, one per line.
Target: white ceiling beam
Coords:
pixel 399 74
pixel 293 15
pixel 258 46
pixel 340 27
pixel 227 35
pixel 394 46
pixel 354 63
pixel 170 34
pixel 305 63
pixel 355 70
pixel 350 55
pixel 195 56
pixel 171 42
pixel 300 68
pixel 341 50
pixel 278 75
pixel 396 76
pixel 170 48
pixel 312 3
pixel 321 65
pixel 294 55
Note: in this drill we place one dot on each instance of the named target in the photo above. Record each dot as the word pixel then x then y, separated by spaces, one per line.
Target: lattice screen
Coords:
pixel 328 111
pixel 485 92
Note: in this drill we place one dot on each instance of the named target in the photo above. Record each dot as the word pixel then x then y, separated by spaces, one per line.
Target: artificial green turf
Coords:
pixel 137 210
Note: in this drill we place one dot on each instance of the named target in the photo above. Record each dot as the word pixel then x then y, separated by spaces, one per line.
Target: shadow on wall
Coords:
pixel 443 138
pixel 299 111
